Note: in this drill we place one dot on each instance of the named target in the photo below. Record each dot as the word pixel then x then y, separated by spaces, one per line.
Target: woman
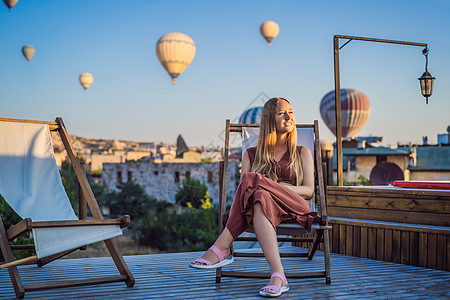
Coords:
pixel 276 178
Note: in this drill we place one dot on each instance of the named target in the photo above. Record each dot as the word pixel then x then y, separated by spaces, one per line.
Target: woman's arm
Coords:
pixel 245 167
pixel 306 190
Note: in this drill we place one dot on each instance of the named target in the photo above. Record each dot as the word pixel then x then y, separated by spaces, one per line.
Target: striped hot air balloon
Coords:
pixel 175 52
pixel 269 30
pixel 251 115
pixel 355 110
pixel 10 3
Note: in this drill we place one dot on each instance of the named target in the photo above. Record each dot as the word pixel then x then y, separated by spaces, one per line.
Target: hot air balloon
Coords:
pixel 28 51
pixel 355 110
pixel 86 80
pixel 251 115
pixel 269 30
pixel 10 3
pixel 175 52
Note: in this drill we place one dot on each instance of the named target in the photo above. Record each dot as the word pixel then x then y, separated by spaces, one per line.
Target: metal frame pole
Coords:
pixel 337 91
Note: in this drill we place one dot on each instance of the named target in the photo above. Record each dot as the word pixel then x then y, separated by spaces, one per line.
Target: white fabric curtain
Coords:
pixel 30 182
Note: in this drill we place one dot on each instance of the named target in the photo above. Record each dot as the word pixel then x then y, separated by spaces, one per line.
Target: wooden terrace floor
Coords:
pixel 167 276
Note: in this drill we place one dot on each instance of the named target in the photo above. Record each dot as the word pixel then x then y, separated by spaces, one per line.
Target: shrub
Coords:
pixel 132 200
pixel 191 193
pixel 10 218
pixel 191 230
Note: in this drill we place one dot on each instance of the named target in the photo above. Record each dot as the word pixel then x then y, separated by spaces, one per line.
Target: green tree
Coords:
pixel 10 218
pixel 191 193
pixel 167 230
pixel 132 200
pixel 70 182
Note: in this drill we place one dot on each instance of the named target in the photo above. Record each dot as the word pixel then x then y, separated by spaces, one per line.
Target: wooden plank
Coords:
pixel 414 248
pixel 335 238
pixel 356 241
pixel 442 230
pixel 441 259
pixel 448 254
pixel 372 192
pixel 349 240
pixel 396 242
pixel 364 242
pixel 371 243
pixel 380 243
pixel 432 248
pixel 342 242
pixel 388 245
pixel 404 247
pixel 441 219
pixel 395 204
pixel 73 283
pixel 423 249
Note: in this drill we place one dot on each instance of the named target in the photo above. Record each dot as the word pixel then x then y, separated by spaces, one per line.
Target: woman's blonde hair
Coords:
pixel 265 162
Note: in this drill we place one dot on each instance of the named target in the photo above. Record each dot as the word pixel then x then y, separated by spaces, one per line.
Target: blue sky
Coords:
pixel 132 97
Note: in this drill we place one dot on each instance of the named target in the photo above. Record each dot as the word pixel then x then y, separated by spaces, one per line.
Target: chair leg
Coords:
pixel 218 275
pixel 326 245
pixel 315 244
pixel 9 257
pixel 120 262
pixel 43 261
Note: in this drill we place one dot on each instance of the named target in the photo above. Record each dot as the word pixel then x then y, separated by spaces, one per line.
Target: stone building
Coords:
pixel 161 180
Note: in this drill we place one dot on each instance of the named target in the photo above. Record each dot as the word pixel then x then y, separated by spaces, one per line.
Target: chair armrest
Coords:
pixel 19 228
pixel 123 221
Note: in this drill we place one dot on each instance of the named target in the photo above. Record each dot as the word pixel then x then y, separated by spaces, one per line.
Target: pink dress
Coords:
pixel 279 203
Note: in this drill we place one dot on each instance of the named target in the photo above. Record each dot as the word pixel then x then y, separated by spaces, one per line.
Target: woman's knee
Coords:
pixel 257 208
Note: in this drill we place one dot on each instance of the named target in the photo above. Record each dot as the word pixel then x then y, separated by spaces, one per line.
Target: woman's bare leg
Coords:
pixel 267 239
pixel 223 242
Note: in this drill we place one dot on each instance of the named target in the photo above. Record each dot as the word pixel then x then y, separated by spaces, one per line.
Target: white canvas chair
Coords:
pixel 31 184
pixel 308 136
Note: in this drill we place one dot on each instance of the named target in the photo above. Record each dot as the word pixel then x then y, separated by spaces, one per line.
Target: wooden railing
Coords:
pixel 408 226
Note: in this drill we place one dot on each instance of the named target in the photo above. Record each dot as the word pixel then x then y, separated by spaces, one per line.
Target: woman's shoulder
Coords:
pixel 304 151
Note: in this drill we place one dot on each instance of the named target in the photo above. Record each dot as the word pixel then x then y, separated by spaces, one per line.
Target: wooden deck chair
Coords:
pixel 31 184
pixel 307 135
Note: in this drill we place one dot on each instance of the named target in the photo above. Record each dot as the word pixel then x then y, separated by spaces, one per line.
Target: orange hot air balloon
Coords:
pixel 175 52
pixel 10 3
pixel 28 51
pixel 269 30
pixel 86 80
pixel 355 110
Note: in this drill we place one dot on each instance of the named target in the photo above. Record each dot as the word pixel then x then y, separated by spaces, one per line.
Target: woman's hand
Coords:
pixel 303 191
pixel 306 190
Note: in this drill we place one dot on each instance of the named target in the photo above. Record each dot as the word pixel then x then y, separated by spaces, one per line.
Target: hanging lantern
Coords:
pixel 426 80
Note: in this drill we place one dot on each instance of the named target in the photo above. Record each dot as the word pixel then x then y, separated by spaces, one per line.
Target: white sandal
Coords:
pixel 278 291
